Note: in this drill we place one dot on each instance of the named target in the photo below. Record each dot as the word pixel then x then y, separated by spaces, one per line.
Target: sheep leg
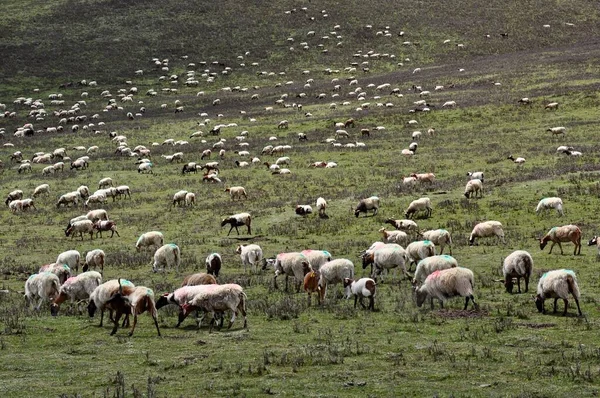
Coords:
pixel 249 230
pixel 431 302
pixel 237 230
pixel 230 229
pixel 361 302
pixel 116 323
pixel 355 301
pixel 551 247
pixel 372 303
pixel 578 308
pixel 555 300
pixel 234 313
pixel 275 281
pixel 519 284
pixel 135 323
pixel 526 284
pixel 102 317
pixel 566 306
pixel 561 250
pixel 286 283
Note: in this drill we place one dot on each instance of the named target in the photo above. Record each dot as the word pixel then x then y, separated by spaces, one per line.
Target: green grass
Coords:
pixel 289 349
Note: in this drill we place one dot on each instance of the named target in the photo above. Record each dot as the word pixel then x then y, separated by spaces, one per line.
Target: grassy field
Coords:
pixel 289 349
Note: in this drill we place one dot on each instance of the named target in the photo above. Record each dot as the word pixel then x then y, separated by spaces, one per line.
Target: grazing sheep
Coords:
pixel 123 190
pixel 251 255
pixel 440 238
pixel 385 257
pixel 445 284
pixel 557 130
pixel 424 177
pixel 69 257
pixel 224 297
pixel 105 183
pixel 429 265
pixel 418 251
pixel 63 271
pixel 316 258
pixel 557 284
pixel 199 278
pixel 190 199
pixel 321 206
pixel 237 193
pixel 24 168
pixel 238 220
pixel 94 258
pixel 476 175
pixel 98 214
pixel 40 189
pixel 152 238
pixel 168 255
pixel 68 198
pixel 294 264
pixel 404 225
pixel 14 195
pixel 418 205
pixel 566 233
pixel 485 230
pixel 399 237
pixel 213 264
pixel 473 187
pixel 333 272
pixel 79 287
pixel 367 204
pixel 364 287
pixel 44 287
pixel 550 203
pixel 303 210
pixel 103 226
pixel 552 106
pixel 179 198
pixel 81 227
pixel 132 300
pixel 518 264
pixel 518 161
pixel 145 168
pixel 183 295
pixel 189 168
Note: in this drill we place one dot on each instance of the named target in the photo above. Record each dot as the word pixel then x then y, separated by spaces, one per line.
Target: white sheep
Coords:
pixel 190 199
pixel 404 225
pixel 419 205
pixel 179 198
pixel 79 287
pixel 473 187
pixel 152 238
pixel 41 189
pixel 321 205
pixel 476 175
pixel 14 195
pixel 102 294
pixel 550 203
pixel 333 272
pixel 445 284
pixel 80 227
pixel 367 204
pixel 167 255
pixel 386 257
pixel 566 233
pixel 486 229
pixel 69 198
pixel 98 214
pixel 290 264
pixel 362 288
pixel 518 160
pixel 317 258
pixel 440 238
pixel 518 264
pixel 251 255
pixel 213 264
pixel 222 298
pixel 419 250
pixel 238 220
pixel 183 295
pixel 237 193
pixel 429 265
pixel 94 258
pixel 557 284
pixel 399 237
pixel 145 168
pixel 63 271
pixel 105 183
pixel 44 287
pixel 557 130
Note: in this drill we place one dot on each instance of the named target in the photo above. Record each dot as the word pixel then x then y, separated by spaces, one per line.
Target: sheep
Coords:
pixel 102 294
pixel 485 230
pixel 557 284
pixel 476 175
pixel 473 187
pixel 190 199
pixel 105 182
pixel 424 177
pixel 429 265
pixel 40 189
pixel 79 287
pixel 566 233
pixel 517 265
pixel 213 264
pixel 179 198
pixel 321 206
pixel 418 205
pixel 16 205
pixel 94 258
pixel 95 198
pixel 333 272
pixel 251 255
pixel 557 130
pixel 152 238
pixel 102 226
pixel 238 220
pixel 66 199
pixel 364 287
pixel 81 227
pixel 440 238
pixel 132 300
pixel 518 161
pixel 384 257
pixel 237 193
pixel 167 255
pixel 145 168
pixel 63 271
pixel 283 160
pixel 367 204
pixel 419 250
pixel 14 195
pixel 292 263
pixel 447 283
pixel 198 279
pixel 24 168
pixel 223 298
pixel 399 237
pixel 303 210
pixel 550 203
pixel 123 190
pixel 552 106
pixel 44 286
pixel 404 225
pixel 311 285
pixel 98 214
pixel 316 258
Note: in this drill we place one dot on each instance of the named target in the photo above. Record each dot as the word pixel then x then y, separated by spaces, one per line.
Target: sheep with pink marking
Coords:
pixel 76 288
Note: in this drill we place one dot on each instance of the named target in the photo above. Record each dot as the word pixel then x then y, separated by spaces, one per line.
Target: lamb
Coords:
pixel 445 284
pixel 179 198
pixel 225 297
pixel 237 193
pixel 518 264
pixel 333 272
pixel 102 294
pixel 367 204
pixel 213 264
pixel 321 206
pixel 44 286
pixel 418 205
pixel 152 238
pixel 303 210
pixel 238 220
pixel 102 226
pixel 440 238
pixel 429 265
pixel 419 250
pixel 399 237
pixel 94 258
pixel 41 189
pixel 316 258
pixel 293 263
pixel 362 288
pixel 134 300
pixel 473 187
pixel 550 203
pixel 79 287
pixel 566 233
pixel 81 227
pixel 557 130
pixel 404 225
pixel 251 255
pixel 198 279
pixel 485 230
pixel 59 269
pixel 384 258
pixel 476 175
pixel 557 284
pixel 168 255
pixel 14 195
pixel 311 285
